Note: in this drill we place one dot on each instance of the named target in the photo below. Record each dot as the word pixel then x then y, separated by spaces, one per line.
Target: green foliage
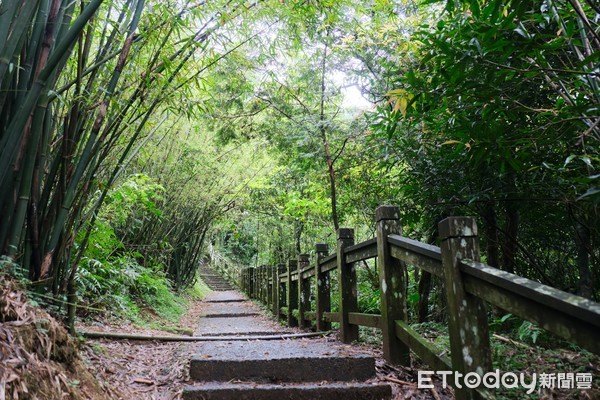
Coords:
pixel 528 332
pixel 369 294
pixel 111 275
pixel 488 116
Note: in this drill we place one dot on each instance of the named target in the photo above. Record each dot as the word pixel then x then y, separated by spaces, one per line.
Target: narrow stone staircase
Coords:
pixel 213 279
pixel 276 367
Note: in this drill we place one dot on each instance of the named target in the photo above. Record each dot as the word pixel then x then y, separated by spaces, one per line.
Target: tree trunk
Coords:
pixel 583 245
pixel 424 291
pixel 323 130
pixel 298 229
pixel 510 244
pixel 491 234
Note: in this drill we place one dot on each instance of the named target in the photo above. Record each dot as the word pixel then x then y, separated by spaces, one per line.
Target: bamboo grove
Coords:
pixel 82 86
pixel 180 123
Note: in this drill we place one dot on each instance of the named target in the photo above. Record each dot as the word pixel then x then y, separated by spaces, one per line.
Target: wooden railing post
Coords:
pixel 274 290
pixel 281 298
pixel 392 280
pixel 468 326
pixel 347 281
pixel 292 294
pixel 250 282
pixel 303 290
pixel 257 283
pixel 240 279
pixel 264 285
pixel 323 289
pixel 269 284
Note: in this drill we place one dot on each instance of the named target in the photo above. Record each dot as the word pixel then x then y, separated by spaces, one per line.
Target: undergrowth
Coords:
pixel 119 280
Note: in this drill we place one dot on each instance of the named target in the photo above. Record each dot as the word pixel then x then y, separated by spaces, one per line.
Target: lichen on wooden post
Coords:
pixel 265 284
pixel 251 282
pixel 347 280
pixel 281 292
pixel 392 274
pixel 274 290
pixel 468 326
pixel 254 283
pixel 259 283
pixel 323 292
pixel 292 294
pixel 269 284
pixel 303 291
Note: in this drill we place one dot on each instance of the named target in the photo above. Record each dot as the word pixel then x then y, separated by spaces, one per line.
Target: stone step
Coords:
pixel 230 315
pixel 225 297
pixel 226 301
pixel 249 333
pixel 229 308
pixel 219 285
pixel 309 391
pixel 215 279
pixel 223 284
pixel 285 361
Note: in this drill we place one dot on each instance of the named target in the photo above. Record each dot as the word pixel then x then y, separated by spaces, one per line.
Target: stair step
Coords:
pixel 249 333
pixel 288 361
pixel 226 301
pixel 230 297
pixel 231 315
pixel 309 391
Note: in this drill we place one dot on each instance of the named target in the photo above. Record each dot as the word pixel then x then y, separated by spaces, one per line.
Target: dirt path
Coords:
pixel 142 370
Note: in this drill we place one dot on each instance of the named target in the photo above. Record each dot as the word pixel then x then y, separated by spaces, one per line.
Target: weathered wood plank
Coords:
pixel 292 293
pixel 308 272
pixel 421 255
pixel 328 259
pixel 323 295
pixel 467 322
pixel 361 251
pixel 329 264
pixel 392 278
pixel 348 299
pixel 331 316
pixel 303 290
pixel 427 351
pixel 294 276
pixel 361 319
pixel 559 300
pixel 569 316
pixel 280 296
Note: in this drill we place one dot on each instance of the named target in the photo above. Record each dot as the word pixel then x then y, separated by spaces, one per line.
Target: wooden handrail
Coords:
pixel 413 252
pixel 567 315
pixel 469 285
pixel 328 263
pixel 361 251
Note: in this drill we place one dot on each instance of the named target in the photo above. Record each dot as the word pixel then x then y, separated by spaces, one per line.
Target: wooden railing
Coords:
pixel 469 285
